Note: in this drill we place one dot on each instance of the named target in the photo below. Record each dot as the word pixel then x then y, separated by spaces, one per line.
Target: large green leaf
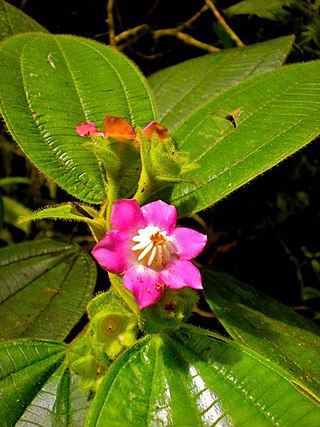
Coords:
pixel 13 21
pixel 49 84
pixel 184 378
pixel 25 368
pixel 45 287
pixel 36 387
pixel 183 89
pixel 276 117
pixel 58 403
pixel 267 326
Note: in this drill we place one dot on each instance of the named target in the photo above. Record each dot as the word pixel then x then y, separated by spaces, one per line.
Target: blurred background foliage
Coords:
pixel 265 234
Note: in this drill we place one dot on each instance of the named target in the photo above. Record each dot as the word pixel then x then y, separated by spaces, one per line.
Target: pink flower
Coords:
pixel 119 129
pixel 149 250
pixel 88 129
pixel 114 127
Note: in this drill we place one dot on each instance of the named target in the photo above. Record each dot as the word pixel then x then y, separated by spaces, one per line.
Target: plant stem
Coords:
pixel 131 35
pixel 223 23
pixel 143 192
pixel 185 38
pixel 203 313
pixel 110 20
pixel 190 21
pixel 113 189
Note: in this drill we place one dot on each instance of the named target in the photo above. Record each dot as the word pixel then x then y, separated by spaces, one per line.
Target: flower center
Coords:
pixel 154 246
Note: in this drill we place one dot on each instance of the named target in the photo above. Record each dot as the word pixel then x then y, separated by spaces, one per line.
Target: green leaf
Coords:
pixel 1 213
pixel 276 117
pixel 271 9
pixel 45 287
pixel 71 212
pixel 183 89
pixel 48 85
pixel 26 366
pixel 184 377
pixel 267 326
pixel 13 180
pixel 58 403
pixel 13 21
pixel 36 387
pixel 12 212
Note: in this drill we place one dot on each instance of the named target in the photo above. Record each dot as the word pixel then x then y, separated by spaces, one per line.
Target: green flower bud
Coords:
pixel 162 165
pixel 90 371
pixel 83 363
pixel 174 307
pixel 111 332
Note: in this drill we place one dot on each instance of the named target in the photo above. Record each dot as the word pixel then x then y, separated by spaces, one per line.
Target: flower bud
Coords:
pixel 173 307
pixel 112 331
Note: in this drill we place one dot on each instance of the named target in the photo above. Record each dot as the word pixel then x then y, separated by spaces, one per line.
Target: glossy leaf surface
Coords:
pixel 186 378
pixel 45 287
pixel 14 21
pixel 26 366
pixel 264 324
pixel 275 116
pixel 58 403
pixel 48 85
pixel 183 89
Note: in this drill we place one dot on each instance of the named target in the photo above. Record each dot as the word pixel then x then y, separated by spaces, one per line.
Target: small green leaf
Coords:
pixel 49 84
pixel 13 180
pixel 276 114
pixel 266 326
pixel 13 21
pixel 44 288
pixel 184 377
pixel 271 9
pixel 185 88
pixel 26 366
pixel 13 210
pixel 1 213
pixel 71 211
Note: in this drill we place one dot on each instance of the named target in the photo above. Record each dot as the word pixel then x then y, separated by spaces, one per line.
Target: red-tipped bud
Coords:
pixel 154 127
pixel 118 129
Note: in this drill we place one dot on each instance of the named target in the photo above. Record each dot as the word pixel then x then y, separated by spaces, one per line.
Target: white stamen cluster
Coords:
pixel 155 246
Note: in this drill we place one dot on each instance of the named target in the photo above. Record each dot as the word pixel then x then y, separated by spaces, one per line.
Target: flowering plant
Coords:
pixel 149 250
pixel 130 324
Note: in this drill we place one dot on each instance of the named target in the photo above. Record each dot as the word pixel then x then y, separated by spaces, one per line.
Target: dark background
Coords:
pixel 265 234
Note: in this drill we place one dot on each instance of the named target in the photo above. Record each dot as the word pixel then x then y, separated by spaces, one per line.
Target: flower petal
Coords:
pixel 118 128
pixel 160 214
pixel 126 216
pixel 144 283
pixel 88 129
pixel 154 127
pixel 181 273
pixel 113 252
pixel 188 242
